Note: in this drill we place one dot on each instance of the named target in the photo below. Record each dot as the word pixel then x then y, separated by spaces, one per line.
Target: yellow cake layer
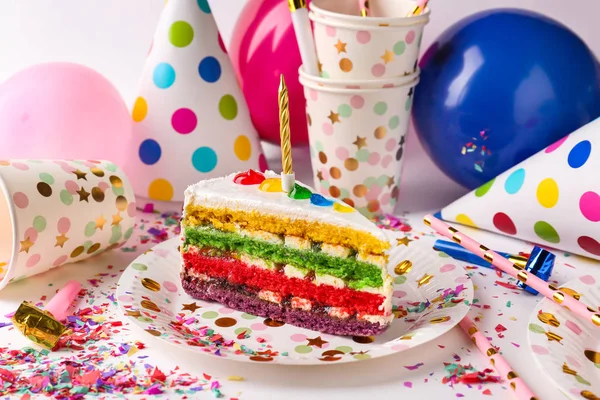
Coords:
pixel 230 221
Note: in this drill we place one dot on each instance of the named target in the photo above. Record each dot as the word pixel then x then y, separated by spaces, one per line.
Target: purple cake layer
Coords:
pixel 238 300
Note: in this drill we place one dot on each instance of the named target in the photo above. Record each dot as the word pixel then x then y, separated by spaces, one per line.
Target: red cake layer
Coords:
pixel 238 272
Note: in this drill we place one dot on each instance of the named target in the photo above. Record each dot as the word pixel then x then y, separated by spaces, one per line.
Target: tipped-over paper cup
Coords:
pixel 348 51
pixel 357 142
pixel 58 212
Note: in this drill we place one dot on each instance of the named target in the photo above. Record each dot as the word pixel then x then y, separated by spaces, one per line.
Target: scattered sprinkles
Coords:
pixel 94 358
pixel 480 151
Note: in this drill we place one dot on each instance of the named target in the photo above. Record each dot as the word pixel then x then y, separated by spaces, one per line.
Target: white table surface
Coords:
pixel 382 378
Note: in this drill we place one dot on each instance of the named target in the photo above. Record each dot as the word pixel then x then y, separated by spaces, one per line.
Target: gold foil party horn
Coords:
pixel 44 327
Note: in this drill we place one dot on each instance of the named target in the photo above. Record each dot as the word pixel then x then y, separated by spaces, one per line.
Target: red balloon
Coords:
pixel 263 46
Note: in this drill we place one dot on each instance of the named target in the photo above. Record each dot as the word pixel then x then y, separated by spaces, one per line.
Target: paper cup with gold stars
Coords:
pixel 56 212
pixel 357 141
pixel 352 47
pixel 191 121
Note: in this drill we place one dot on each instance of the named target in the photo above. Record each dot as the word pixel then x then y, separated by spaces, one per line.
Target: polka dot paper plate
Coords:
pixel 565 347
pixel 430 298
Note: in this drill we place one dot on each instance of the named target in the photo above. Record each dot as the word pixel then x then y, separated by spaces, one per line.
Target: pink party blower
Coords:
pixel 515 270
pixel 44 327
pixel 522 391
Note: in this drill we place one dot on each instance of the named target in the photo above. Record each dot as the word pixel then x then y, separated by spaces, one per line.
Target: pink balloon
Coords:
pixel 263 46
pixel 62 111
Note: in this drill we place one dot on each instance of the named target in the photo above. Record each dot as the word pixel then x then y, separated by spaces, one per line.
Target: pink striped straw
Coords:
pixel 419 8
pixel 516 271
pixel 364 7
pixel 522 391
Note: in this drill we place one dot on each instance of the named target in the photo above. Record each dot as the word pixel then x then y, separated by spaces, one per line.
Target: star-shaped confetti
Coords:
pixel 100 222
pixel 316 342
pixel 190 307
pixel 83 195
pixel 424 280
pixel 320 175
pixel 334 117
pixel 61 240
pixel 388 56
pixel 405 241
pixel 360 142
pixel 340 46
pixel 116 219
pixel 26 245
pixel 390 181
pixel 80 174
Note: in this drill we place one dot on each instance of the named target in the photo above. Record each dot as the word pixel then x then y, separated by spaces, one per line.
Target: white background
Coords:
pixel 113 36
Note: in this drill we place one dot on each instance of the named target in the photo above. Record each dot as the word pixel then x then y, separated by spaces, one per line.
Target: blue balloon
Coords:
pixel 499 86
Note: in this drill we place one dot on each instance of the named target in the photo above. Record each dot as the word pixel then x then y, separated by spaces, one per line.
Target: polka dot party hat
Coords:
pixel 191 121
pixel 552 198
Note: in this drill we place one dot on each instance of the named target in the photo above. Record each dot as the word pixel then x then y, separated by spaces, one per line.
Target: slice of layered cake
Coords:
pixel 299 258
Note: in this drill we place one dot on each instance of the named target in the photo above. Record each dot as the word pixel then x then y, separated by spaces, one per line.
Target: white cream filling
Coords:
pixel 257 262
pixel 303 304
pixel 261 235
pixel 380 261
pixel 292 272
pixel 382 319
pixel 298 243
pixel 335 250
pixel 329 280
pixel 270 296
pixel 339 312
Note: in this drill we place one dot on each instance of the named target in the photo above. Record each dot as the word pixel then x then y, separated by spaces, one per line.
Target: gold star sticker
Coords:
pixel 100 222
pixel 320 175
pixel 390 181
pixel 83 195
pixel 360 142
pixel 405 241
pixel 61 240
pixel 26 245
pixel 190 307
pixel 340 46
pixel 316 342
pixel 116 219
pixel 80 174
pixel 134 314
pixel 334 117
pixel 424 280
pixel 388 56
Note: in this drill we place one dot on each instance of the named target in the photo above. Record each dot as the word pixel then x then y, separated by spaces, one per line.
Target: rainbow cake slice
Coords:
pixel 299 258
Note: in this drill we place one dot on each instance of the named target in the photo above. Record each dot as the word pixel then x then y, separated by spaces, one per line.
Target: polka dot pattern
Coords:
pixel 189 112
pixel 48 237
pixel 209 69
pixel 149 152
pixel 181 34
pixel 184 121
pixel 204 159
pixel 164 75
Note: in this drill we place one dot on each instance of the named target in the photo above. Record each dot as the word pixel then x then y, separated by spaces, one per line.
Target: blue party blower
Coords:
pixel 540 261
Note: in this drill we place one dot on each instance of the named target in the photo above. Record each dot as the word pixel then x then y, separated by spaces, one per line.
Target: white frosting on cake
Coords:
pixel 225 193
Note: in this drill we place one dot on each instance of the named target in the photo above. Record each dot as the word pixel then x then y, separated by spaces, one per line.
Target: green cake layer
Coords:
pixel 356 274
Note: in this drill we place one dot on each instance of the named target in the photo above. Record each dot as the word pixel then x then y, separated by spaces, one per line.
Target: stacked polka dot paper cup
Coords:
pixel 55 212
pixel 191 121
pixel 358 109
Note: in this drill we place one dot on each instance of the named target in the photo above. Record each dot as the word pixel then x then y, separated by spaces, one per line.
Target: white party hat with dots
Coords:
pixel 552 198
pixel 191 121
